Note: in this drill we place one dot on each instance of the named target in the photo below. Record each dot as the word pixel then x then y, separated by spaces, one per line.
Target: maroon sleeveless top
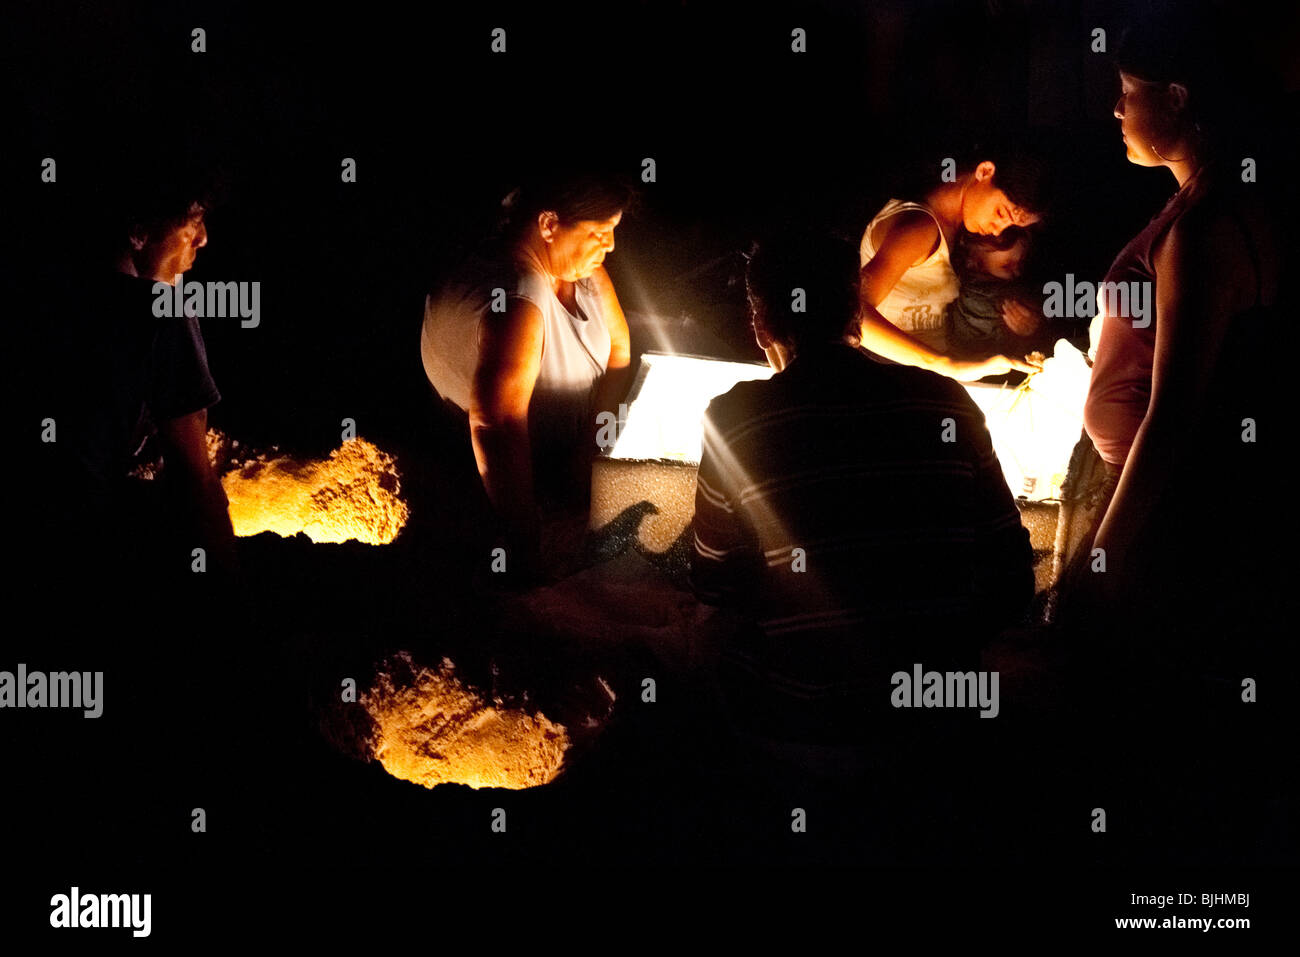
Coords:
pixel 1120 389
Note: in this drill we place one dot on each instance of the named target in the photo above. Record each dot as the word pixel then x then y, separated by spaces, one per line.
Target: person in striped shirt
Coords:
pixel 852 511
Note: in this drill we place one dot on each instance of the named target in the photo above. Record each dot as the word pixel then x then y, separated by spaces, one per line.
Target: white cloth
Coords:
pixel 918 302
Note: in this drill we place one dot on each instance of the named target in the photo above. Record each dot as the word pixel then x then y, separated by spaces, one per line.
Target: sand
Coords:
pixel 431 729
pixel 354 495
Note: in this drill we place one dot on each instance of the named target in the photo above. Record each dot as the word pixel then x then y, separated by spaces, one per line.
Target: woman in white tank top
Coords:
pixel 907 279
pixel 532 349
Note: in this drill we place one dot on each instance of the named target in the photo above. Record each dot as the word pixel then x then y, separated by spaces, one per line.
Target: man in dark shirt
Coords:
pixel 124 493
pixel 131 392
pixel 853 512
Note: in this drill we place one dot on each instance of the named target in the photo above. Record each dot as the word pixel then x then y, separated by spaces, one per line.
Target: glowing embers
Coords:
pixel 352 495
pixel 430 728
pixel 667 404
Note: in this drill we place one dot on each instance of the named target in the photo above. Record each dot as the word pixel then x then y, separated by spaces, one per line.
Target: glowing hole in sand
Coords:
pixel 431 728
pixel 352 495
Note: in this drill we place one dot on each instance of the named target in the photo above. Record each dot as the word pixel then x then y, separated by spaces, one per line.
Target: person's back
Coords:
pixel 856 515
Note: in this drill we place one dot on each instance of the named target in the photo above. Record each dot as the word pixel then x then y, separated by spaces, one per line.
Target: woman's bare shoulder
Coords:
pixel 1229 222
pixel 1221 252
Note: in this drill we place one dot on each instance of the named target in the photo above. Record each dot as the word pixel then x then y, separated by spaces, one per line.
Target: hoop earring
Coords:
pixel 1196 132
pixel 1152 148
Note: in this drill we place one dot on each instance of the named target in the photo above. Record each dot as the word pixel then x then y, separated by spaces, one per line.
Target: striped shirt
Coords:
pixel 856 514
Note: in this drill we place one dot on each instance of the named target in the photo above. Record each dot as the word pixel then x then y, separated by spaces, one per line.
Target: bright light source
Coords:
pixel 1035 427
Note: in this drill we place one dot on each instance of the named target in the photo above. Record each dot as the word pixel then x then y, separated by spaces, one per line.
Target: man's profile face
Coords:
pixel 166 255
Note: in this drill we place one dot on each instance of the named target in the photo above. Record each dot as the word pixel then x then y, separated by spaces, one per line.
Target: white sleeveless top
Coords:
pixel 575 350
pixel 918 302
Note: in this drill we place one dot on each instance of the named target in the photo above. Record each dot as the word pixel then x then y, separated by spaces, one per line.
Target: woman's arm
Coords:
pixel 909 240
pixel 618 373
pixel 1198 289
pixel 510 355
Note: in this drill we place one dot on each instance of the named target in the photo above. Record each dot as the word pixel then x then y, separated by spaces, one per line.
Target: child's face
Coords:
pixel 1001 263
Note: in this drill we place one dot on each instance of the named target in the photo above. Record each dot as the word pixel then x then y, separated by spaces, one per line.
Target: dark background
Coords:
pixel 744 134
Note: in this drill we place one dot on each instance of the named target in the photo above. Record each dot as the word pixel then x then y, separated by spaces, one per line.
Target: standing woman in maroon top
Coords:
pixel 1174 381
